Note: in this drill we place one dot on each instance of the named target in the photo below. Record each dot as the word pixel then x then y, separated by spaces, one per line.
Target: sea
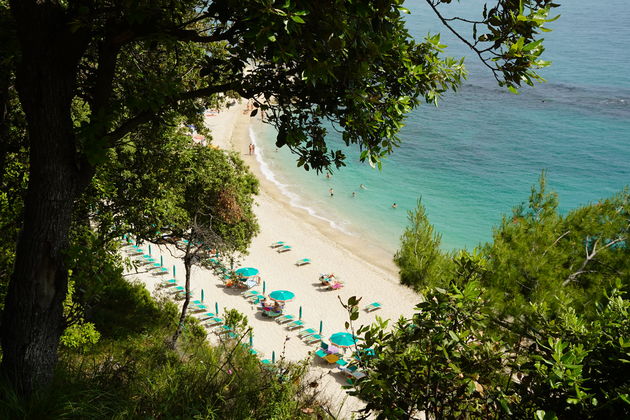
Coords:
pixel 477 155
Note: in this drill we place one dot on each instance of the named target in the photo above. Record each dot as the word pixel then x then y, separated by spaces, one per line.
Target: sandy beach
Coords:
pixel 367 271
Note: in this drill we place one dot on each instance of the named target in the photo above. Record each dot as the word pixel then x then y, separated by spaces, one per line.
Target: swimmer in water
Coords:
pixel 363 187
pixel 394 206
pixel 332 192
pixel 328 175
pixel 353 194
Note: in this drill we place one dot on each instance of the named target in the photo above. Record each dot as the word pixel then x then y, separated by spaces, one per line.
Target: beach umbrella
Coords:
pixel 174 271
pixel 343 339
pixel 264 286
pixel 273 357
pixel 282 295
pixel 149 249
pixel 161 261
pixel 216 308
pixel 251 339
pixel 201 295
pixel 247 272
pixel 321 324
pixel 300 313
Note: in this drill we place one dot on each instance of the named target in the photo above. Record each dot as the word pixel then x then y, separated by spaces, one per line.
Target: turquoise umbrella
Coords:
pixel 201 295
pixel 149 249
pixel 247 272
pixel 273 357
pixel 300 313
pixel 216 308
pixel 161 261
pixel 321 324
pixel 282 295
pixel 264 286
pixel 251 339
pixel 343 339
pixel 174 271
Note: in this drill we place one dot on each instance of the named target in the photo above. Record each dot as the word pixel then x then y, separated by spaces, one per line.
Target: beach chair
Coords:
pixel 213 322
pixel 284 248
pixel 296 325
pixel 322 350
pixel 306 332
pixel 169 282
pixel 312 339
pixel 303 261
pixel 341 363
pixel 277 244
pixel 250 293
pixel 255 299
pixel 372 307
pixel 206 316
pixel 222 329
pixel 336 285
pixel 161 271
pixel 285 318
pixel 331 358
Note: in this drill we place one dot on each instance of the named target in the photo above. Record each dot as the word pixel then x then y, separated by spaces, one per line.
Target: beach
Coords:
pixel 367 271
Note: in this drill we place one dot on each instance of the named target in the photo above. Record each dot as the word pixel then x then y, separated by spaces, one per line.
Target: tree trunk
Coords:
pixel 32 321
pixel 182 317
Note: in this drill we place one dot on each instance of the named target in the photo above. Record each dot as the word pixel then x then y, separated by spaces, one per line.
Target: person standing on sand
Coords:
pixel 332 192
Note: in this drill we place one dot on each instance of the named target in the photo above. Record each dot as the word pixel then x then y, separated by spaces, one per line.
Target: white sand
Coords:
pixel 367 271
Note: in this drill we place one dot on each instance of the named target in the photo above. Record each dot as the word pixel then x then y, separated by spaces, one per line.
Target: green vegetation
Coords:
pixel 531 325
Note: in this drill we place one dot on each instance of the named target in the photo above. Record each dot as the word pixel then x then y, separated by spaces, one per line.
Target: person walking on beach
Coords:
pixel 332 192
pixel 251 148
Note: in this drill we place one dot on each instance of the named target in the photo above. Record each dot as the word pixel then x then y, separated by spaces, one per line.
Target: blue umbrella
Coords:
pixel 251 339
pixel 174 271
pixel 216 308
pixel 321 324
pixel 273 357
pixel 300 313
pixel 247 272
pixel 281 295
pixel 264 286
pixel 343 339
pixel 201 295
pixel 161 261
pixel 149 249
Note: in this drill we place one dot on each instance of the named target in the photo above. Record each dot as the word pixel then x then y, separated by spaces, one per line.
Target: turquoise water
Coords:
pixel 477 155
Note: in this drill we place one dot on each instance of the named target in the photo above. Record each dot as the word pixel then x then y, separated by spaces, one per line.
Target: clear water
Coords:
pixel 477 155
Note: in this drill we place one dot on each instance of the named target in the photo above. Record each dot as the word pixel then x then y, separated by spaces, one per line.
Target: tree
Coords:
pixel 421 261
pixel 129 63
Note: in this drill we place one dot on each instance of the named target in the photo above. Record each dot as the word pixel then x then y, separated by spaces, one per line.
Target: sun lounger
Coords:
pixel 162 271
pixel 295 325
pixel 331 358
pixel 250 293
pixel 372 307
pixel 284 248
pixel 223 329
pixel 256 299
pixel 277 244
pixel 306 332
pixel 312 339
pixel 285 318
pixel 341 363
pixel 321 353
pixel 302 262
pixel 213 321
pixel 169 282
pixel 206 316
pixel 335 286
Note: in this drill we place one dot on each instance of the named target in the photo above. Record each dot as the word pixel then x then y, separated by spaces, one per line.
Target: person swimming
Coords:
pixel 394 206
pixel 332 192
pixel 354 194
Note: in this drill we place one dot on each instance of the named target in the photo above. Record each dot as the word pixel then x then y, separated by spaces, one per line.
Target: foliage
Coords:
pixel 442 361
pixel 540 256
pixel 78 334
pixel 235 319
pixel 454 359
pixel 421 261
